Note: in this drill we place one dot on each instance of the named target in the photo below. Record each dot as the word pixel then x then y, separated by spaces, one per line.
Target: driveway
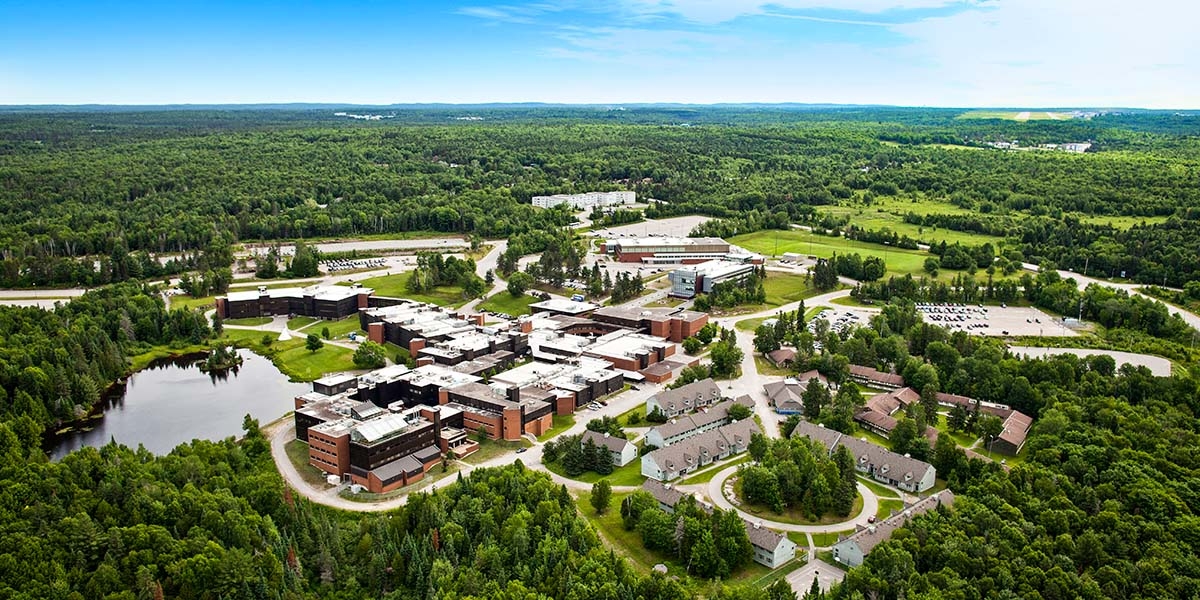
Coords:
pixel 826 575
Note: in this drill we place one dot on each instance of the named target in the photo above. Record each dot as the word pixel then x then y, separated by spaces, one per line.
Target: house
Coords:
pixel 883 465
pixel 787 396
pixel 782 357
pixel 623 452
pixel 771 549
pixel 1012 438
pixel 876 415
pixel 677 460
pixel 665 493
pixel 875 378
pixel 685 399
pixel 852 550
pixel 683 427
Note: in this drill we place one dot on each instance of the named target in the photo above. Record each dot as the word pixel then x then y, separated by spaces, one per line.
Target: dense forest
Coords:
pixel 107 184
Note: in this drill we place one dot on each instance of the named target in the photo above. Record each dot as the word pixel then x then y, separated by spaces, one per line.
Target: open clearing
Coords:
pixel 1016 115
pixel 1159 366
pixel 891 216
pixel 1121 222
pixel 898 261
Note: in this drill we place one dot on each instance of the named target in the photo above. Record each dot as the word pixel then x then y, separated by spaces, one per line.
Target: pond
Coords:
pixel 172 402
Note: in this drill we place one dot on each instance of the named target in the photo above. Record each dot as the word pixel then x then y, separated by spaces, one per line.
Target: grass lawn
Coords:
pixel 205 303
pixel 249 321
pixel 749 324
pixel 795 516
pixel 300 322
pixel 963 439
pixel 880 490
pixel 561 424
pixel 299 363
pixel 785 289
pixel 338 329
pixel 505 303
pixel 640 411
pixel 396 286
pixel 874 438
pixel 708 473
pixel 629 543
pixel 824 540
pixel 628 475
pixel 291 357
pixel 886 507
pixel 489 449
pixel 898 260
pixel 297 452
pixel 765 367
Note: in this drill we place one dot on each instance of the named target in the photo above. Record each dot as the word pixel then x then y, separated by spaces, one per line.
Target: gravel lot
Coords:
pixel 674 226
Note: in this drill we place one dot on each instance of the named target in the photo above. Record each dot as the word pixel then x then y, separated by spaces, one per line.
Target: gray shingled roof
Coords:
pixel 896 465
pixel 614 444
pixel 664 492
pixel 869 537
pixel 707 416
pixel 761 537
pixel 687 453
pixel 683 398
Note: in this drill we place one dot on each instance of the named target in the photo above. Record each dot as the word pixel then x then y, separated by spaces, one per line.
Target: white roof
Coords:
pixel 565 306
pixel 381 427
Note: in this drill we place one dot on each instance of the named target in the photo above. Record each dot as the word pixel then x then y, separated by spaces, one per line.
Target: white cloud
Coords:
pixel 719 11
pixel 644 47
pixel 1065 52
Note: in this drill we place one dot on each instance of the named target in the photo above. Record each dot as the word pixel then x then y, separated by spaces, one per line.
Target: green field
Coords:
pixel 898 260
pixel 886 507
pixel 785 289
pixel 396 286
pixel 489 449
pixel 183 301
pixel 291 357
pixel 1120 222
pixel 765 367
pixel 505 303
pixel 706 475
pixel 889 214
pixel 824 540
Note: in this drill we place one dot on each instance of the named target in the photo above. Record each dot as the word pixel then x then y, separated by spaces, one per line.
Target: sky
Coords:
pixel 960 53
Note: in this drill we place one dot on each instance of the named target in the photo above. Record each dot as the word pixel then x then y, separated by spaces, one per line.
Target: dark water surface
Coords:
pixel 172 402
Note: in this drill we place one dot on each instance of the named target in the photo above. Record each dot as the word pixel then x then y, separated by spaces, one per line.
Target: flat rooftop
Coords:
pixel 534 372
pixel 625 344
pixel 562 305
pixel 716 268
pixel 654 242
pixel 319 292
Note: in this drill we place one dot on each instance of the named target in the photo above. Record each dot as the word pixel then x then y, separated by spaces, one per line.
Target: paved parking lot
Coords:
pixel 674 226
pixel 826 575
pixel 995 320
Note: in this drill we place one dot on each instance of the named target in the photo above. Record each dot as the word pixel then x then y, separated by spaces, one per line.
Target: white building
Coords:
pixel 851 551
pixel 621 450
pixel 771 549
pixel 586 200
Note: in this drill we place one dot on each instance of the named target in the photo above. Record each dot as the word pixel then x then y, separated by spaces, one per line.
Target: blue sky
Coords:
pixel 1018 53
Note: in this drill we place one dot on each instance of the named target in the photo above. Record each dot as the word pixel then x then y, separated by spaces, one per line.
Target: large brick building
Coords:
pixel 505 413
pixel 671 323
pixel 666 250
pixel 322 302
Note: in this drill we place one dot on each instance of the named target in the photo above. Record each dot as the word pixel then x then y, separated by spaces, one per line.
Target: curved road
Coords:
pixel 869 508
